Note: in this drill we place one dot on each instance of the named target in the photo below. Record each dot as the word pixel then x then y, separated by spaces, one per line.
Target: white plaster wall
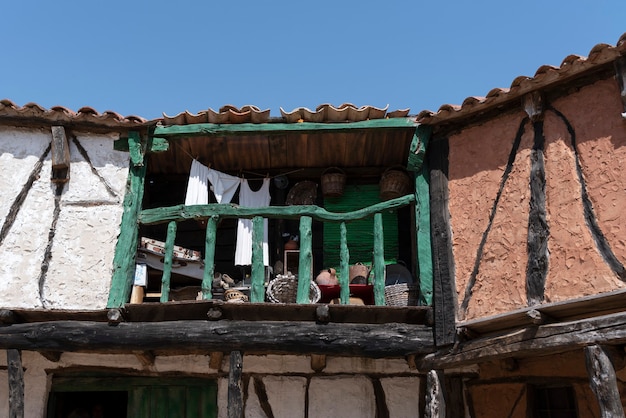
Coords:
pixel 79 271
pixel 346 397
pixel 401 396
pixel 286 395
pixel 4 393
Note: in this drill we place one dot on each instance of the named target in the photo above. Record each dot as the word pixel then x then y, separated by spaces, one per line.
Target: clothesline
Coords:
pixel 259 176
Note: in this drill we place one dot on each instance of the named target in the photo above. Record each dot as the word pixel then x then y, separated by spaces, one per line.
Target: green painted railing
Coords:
pixel 212 213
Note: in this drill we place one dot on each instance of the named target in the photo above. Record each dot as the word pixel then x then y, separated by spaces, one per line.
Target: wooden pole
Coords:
pixel 167 261
pixel 379 260
pixel 16 383
pixel 306 260
pixel 435 403
pixel 209 256
pixel 603 382
pixel 235 388
pixel 344 265
pixel 257 290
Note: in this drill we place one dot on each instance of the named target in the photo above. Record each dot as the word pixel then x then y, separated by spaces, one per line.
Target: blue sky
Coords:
pixel 147 58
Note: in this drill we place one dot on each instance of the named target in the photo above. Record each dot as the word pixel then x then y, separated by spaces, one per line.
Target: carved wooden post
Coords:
pixel 306 260
pixel 379 261
pixel 235 388
pixel 603 382
pixel 257 289
pixel 209 257
pixel 435 403
pixel 344 265
pixel 16 383
pixel 167 261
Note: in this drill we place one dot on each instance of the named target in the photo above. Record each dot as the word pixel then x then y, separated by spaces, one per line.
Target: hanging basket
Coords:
pixel 284 289
pixel 402 294
pixel 395 182
pixel 333 182
pixel 302 193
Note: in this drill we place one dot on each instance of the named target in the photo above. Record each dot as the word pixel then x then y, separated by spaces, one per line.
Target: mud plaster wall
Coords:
pixel 58 251
pixel 478 159
pixel 286 385
pixel 500 392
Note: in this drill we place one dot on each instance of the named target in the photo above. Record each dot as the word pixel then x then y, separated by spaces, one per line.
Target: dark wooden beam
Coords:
pixel 367 340
pixel 318 362
pixel 60 155
pixel 235 386
pixel 533 341
pixel 16 383
pixel 620 75
pixel 444 292
pixel 53 356
pixel 215 360
pixel 603 382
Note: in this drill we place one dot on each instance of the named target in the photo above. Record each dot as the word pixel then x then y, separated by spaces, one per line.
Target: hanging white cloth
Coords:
pixel 197 187
pixel 224 185
pixel 252 199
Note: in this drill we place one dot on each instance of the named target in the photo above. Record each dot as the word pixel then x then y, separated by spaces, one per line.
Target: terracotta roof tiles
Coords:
pixel 572 66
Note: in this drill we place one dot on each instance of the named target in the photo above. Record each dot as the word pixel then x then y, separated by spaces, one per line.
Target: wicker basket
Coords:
pixel 395 182
pixel 333 182
pixel 402 294
pixel 235 296
pixel 284 289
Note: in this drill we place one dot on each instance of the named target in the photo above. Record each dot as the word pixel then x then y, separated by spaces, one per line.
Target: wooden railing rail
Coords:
pixel 212 213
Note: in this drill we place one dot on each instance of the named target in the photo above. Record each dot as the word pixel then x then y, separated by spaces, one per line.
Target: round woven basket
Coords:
pixel 284 289
pixel 394 182
pixel 333 182
pixel 402 294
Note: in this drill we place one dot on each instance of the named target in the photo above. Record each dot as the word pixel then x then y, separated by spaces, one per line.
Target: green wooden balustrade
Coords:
pixel 306 214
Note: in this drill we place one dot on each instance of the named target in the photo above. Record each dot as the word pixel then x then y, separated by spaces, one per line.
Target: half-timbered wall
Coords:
pixel 57 238
pixel 536 203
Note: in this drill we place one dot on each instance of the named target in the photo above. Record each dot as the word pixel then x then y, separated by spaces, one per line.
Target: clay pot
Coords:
pixel 327 278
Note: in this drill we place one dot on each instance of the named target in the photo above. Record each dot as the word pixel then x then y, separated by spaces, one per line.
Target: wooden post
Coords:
pixel 257 289
pixel 603 382
pixel 379 261
pixel 209 256
pixel 435 402
pixel 344 265
pixel 60 155
pixel 167 261
pixel 235 387
pixel 16 383
pixel 306 260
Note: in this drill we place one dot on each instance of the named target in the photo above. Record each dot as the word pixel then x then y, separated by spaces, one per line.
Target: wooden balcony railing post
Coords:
pixel 209 256
pixel 379 260
pixel 344 265
pixel 306 260
pixel 167 261
pixel 257 288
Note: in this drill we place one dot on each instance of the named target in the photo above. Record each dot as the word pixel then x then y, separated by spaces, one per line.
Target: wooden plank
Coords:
pixel 126 248
pixel 417 149
pixel 200 336
pixel 423 244
pixel 444 291
pixel 305 266
pixel 207 129
pixel 168 259
pixel 435 401
pixel 603 382
pixel 344 265
pixel 235 385
pixel 60 153
pixel 16 383
pixel 379 261
pixel 534 341
pixel 181 213
pixel 209 256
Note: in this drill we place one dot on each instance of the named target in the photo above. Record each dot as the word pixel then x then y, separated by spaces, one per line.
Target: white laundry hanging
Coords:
pixel 252 199
pixel 224 185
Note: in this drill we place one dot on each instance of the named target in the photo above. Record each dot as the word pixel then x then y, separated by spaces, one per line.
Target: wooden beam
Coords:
pixel 538 340
pixel 318 362
pixel 60 155
pixel 216 129
pixel 16 383
pixel 344 265
pixel 215 360
pixel 305 262
pixel 435 402
pixel 200 336
pixel 257 288
pixel 235 386
pixel 53 356
pixel 146 357
pixel 444 291
pixel 181 213
pixel 379 261
pixel 417 149
pixel 603 382
pixel 168 261
pixel 423 236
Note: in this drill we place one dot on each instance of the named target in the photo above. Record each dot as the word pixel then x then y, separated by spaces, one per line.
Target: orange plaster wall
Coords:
pixel 478 157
